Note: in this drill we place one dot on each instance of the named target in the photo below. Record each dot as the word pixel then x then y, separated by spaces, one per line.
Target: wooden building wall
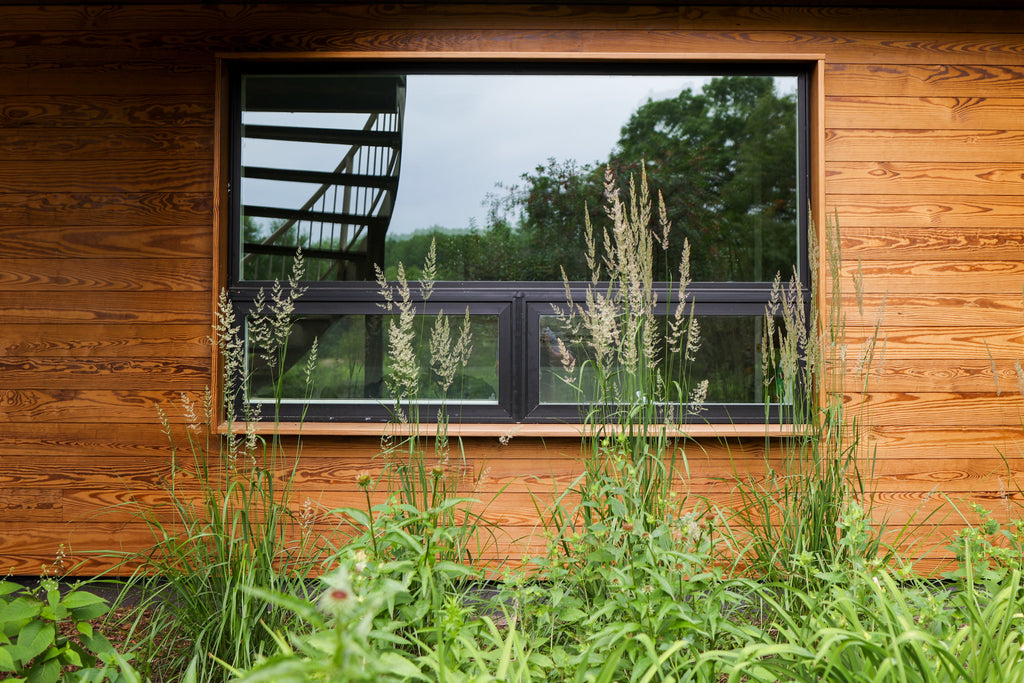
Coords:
pixel 107 241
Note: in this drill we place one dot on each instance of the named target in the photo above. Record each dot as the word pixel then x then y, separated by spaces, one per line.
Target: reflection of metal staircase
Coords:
pixel 342 226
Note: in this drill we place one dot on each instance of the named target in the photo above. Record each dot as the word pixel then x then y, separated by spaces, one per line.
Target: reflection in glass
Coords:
pixel 499 169
pixel 729 358
pixel 352 364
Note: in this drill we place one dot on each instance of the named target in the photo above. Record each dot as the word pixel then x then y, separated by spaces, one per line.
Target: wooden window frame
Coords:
pixel 555 423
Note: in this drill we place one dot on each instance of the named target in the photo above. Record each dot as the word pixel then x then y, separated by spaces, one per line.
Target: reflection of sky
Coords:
pixel 463 134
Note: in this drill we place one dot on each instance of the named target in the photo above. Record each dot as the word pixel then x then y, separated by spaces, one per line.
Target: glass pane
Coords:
pixel 500 170
pixel 354 364
pixel 729 358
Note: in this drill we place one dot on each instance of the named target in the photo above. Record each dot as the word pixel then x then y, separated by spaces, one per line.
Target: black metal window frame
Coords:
pixel 518 305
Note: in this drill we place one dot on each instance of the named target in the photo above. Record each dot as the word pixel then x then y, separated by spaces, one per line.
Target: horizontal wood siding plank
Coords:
pixel 926 210
pixel 940 441
pixel 52 74
pixel 73 111
pixel 869 47
pixel 105 242
pixel 932 244
pixel 917 80
pixel 938 310
pixel 927 409
pixel 117 448
pixel 916 145
pixel 148 471
pixel 114 209
pixel 88 405
pixel 951 343
pixel 937 277
pixel 962 375
pixel 970 479
pixel 49 146
pixel 28 546
pixel 914 178
pixel 128 308
pixel 121 274
pixel 101 176
pixel 935 112
pixel 73 373
pixel 300 17
pixel 26 504
pixel 118 340
pixel 973 472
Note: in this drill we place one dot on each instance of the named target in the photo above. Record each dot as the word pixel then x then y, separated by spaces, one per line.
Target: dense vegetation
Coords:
pixel 795 579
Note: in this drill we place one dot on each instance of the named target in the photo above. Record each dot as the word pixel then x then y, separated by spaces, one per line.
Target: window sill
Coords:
pixel 697 431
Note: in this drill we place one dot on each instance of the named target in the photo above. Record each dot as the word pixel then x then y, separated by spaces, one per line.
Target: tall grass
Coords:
pixel 229 526
pixel 634 382
pixel 423 472
pixel 793 514
pixel 631 586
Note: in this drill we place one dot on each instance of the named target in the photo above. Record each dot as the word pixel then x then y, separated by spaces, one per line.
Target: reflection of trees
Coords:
pixel 724 158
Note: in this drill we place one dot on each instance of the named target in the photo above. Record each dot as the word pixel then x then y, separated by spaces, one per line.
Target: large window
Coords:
pixel 365 165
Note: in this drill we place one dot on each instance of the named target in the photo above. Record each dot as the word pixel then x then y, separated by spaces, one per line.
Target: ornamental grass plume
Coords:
pixel 641 337
pixel 424 364
pixel 634 343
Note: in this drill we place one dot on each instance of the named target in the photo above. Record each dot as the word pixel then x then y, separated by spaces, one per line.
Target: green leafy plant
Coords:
pixel 229 527
pixel 633 585
pixel 35 649
pixel 793 515
pixel 423 471
pixel 633 380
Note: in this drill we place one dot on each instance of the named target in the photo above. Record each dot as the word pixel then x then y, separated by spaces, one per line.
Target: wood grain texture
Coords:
pixel 51 145
pixel 917 80
pixel 88 405
pixel 26 504
pixel 933 112
pixel 932 244
pixel 120 274
pixel 156 308
pixel 75 111
pixel 96 74
pixel 924 310
pixel 952 344
pixel 303 16
pixel 116 340
pixel 75 373
pixel 106 242
pixel 32 450
pixel 99 175
pixel 913 178
pixel 883 145
pixel 926 210
pixel 927 409
pixel 942 441
pixel 962 375
pixel 143 469
pixel 152 209
pixel 938 277
pixel 106 294
pixel 873 47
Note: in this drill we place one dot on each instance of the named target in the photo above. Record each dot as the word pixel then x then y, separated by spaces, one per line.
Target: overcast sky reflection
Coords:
pixel 465 134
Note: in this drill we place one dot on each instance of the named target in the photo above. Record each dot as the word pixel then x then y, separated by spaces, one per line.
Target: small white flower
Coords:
pixel 338 596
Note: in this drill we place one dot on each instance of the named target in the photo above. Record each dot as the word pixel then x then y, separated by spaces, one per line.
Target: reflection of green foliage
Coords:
pixel 341 371
pixel 724 158
pixel 267 266
pixel 725 161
